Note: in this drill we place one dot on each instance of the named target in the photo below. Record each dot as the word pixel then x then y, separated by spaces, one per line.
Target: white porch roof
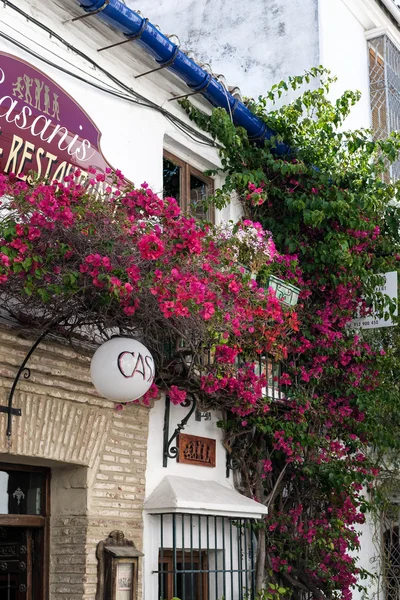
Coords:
pixel 176 494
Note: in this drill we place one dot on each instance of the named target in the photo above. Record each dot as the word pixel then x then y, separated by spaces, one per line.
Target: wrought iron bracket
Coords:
pixel 129 38
pixel 170 451
pixel 163 65
pixel 88 14
pixel 232 464
pixel 196 90
pixel 26 373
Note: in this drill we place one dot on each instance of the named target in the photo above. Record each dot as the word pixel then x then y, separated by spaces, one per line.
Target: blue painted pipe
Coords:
pixel 166 53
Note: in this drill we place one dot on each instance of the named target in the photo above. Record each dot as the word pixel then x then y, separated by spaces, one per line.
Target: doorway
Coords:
pixel 24 510
pixel 20 563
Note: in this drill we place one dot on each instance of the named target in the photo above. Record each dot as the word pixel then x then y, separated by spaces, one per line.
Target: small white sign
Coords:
pixel 373 321
pixel 124 582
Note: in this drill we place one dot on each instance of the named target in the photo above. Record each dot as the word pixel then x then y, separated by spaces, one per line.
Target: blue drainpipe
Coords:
pixel 167 54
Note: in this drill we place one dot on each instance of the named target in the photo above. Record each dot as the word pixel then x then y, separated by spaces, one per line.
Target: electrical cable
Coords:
pixel 181 125
pixel 64 70
pixel 49 51
pixel 138 99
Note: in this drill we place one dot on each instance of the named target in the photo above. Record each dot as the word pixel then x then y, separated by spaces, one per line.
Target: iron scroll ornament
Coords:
pixel 170 451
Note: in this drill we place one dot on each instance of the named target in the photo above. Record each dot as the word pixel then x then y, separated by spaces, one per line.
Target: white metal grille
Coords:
pixel 392 563
pixel 384 72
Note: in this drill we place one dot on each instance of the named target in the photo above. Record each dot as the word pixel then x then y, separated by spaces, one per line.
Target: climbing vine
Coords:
pixel 315 458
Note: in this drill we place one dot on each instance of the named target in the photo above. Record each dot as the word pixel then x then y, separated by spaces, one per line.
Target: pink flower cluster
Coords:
pixel 132 249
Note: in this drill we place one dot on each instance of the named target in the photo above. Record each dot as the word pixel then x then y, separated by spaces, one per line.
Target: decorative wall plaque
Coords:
pixel 195 450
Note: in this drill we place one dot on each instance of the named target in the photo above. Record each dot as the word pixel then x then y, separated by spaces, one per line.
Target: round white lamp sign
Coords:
pixel 122 369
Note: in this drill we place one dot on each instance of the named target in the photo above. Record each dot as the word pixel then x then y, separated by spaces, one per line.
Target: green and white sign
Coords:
pixel 374 320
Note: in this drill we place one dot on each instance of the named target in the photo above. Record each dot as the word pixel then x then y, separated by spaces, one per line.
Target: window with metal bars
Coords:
pixel 204 557
pixel 391 562
pixel 384 78
pixel 271 370
pixel 264 365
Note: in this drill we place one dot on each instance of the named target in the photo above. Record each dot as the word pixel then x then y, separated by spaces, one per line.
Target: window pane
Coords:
pixel 199 191
pixel 271 370
pixel 172 180
pixel 20 492
pixel 213 558
pixel 188 584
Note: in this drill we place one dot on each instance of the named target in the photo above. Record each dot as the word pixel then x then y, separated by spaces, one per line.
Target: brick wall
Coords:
pixel 98 479
pixel 117 494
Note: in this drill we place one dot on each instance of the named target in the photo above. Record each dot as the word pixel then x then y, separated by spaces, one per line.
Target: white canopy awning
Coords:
pixel 183 495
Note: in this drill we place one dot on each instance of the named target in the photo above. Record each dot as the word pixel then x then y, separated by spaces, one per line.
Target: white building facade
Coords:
pixel 75 470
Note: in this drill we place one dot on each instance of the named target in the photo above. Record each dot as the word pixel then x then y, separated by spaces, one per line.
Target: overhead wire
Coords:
pixel 132 97
pixel 75 66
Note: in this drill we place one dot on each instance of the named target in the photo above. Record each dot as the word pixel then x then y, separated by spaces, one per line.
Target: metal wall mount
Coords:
pixel 89 14
pixel 26 373
pixel 202 414
pixel 163 64
pixel 170 451
pixel 232 464
pixel 129 38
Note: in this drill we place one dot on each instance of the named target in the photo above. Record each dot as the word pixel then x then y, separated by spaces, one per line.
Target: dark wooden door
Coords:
pixel 24 509
pixel 20 557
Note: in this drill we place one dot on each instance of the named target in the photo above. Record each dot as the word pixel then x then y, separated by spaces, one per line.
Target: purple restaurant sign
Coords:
pixel 42 129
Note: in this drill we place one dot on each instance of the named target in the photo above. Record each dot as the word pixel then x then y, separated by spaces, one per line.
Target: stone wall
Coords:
pixel 97 456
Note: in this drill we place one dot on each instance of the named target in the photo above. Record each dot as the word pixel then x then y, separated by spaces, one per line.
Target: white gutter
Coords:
pixel 393 9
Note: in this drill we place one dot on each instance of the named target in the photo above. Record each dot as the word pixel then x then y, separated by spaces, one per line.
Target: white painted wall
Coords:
pixel 254 44
pixel 155 470
pixel 257 45
pixel 343 50
pixel 367 559
pixel 155 473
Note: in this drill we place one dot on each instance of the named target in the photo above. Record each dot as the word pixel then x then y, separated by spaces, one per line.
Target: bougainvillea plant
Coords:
pixel 126 261
pixel 314 459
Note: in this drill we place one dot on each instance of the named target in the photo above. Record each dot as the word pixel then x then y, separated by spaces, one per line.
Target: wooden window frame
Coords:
pixel 34 521
pixel 379 59
pixel 186 170
pixel 194 556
